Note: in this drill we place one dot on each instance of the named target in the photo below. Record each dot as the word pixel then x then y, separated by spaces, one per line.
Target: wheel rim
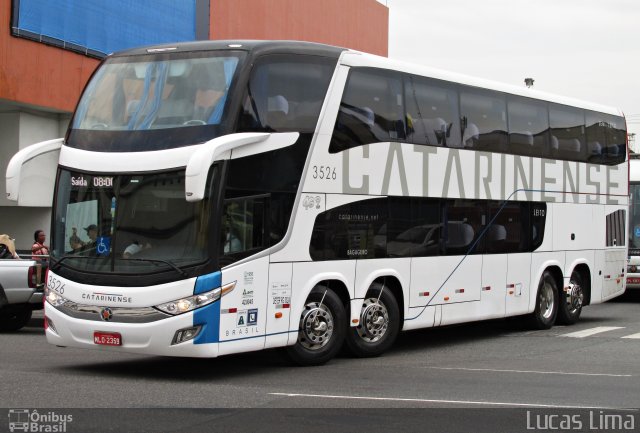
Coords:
pixel 575 297
pixel 374 320
pixel 316 326
pixel 546 301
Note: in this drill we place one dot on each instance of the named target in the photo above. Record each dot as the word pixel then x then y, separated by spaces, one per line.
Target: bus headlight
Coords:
pixel 54 298
pixel 191 303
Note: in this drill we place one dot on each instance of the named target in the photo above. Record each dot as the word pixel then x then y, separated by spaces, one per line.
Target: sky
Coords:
pixel 585 49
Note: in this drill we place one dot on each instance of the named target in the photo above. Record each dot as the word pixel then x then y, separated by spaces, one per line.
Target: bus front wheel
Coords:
pixel 321 329
pixel 378 326
pixel 544 315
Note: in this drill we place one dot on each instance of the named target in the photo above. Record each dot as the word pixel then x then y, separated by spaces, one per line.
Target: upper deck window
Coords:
pixel 285 93
pixel 371 111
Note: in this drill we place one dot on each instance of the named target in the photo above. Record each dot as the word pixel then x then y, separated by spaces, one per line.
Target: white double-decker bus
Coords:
pixel 222 197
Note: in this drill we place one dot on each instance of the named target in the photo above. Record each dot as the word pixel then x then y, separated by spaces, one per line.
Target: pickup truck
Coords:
pixel 20 292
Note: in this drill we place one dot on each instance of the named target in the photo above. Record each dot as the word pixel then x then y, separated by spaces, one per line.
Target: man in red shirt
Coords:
pixel 40 252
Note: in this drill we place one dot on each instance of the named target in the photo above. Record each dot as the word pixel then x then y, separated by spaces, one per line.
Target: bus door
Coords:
pixel 243 311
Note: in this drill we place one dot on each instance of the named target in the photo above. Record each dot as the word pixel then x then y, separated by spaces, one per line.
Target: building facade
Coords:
pixel 48 51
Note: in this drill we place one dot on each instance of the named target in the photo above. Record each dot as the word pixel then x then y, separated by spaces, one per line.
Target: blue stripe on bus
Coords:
pixel 206 283
pixel 209 318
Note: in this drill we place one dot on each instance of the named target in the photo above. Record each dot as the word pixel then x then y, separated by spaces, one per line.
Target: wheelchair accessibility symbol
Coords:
pixel 103 245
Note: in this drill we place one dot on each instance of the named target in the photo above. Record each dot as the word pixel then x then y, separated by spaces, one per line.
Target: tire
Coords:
pixel 571 301
pixel 321 329
pixel 544 315
pixel 379 324
pixel 13 318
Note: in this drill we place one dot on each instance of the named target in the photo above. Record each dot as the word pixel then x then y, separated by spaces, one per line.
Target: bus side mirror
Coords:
pixel 229 147
pixel 31 173
pixel 199 163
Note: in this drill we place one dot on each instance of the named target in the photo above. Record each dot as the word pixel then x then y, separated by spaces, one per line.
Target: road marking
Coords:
pixel 591 331
pixel 424 400
pixel 532 371
pixel 636 336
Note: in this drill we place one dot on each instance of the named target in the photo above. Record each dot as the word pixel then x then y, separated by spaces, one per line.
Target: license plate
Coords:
pixel 633 280
pixel 107 338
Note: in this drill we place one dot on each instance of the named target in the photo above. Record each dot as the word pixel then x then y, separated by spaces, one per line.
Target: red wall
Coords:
pixel 359 24
pixel 45 76
pixel 34 73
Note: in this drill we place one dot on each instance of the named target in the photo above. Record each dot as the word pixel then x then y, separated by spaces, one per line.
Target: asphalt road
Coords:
pixel 496 364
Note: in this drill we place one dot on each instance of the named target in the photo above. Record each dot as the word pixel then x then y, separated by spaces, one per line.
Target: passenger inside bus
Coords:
pixel 277 112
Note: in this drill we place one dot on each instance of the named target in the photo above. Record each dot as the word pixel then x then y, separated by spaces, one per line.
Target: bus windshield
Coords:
pixel 128 224
pixel 138 95
pixel 155 93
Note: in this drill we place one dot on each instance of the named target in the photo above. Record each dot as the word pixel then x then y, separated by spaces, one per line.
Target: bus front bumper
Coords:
pixel 154 338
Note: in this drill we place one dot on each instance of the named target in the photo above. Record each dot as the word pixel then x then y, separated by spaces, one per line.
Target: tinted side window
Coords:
pixel 508 231
pixel 483 119
pixel 286 93
pixel 420 227
pixel 567 133
pixel 463 224
pixel 528 126
pixel 606 138
pixel 414 228
pixel 244 227
pixel 371 110
pixel 432 112
pixel 353 231
pixel 537 214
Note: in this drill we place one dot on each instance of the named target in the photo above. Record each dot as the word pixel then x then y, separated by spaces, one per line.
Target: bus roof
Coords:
pixel 256 47
pixel 357 58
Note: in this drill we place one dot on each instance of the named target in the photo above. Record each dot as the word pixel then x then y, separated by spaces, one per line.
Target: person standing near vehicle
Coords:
pixel 39 249
pixel 40 253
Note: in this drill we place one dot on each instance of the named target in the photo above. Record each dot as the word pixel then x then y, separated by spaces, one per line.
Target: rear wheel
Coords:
pixel 544 315
pixel 378 326
pixel 570 300
pixel 13 318
pixel 321 330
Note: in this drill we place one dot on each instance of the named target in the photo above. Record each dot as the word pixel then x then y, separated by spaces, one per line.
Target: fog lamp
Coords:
pixel 186 334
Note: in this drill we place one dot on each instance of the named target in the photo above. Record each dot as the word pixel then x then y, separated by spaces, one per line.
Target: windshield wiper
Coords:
pixel 166 262
pixel 56 265
pixel 56 262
